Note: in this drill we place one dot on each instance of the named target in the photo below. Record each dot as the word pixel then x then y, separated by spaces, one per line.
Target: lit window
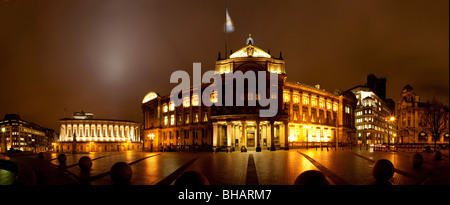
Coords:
pixel 286 96
pixel 296 98
pixel 347 109
pixel 335 107
pixel 205 118
pixel 172 119
pixel 186 102
pixel 313 101
pixel 305 100
pixel 171 106
pixel 250 96
pixel 195 100
pixel 328 106
pixel 196 118
pixel 166 120
pixel 165 107
pixel 214 96
pixel 321 103
pixel 187 119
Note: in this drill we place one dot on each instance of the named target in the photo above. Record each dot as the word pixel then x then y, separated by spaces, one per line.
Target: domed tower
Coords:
pixel 408 95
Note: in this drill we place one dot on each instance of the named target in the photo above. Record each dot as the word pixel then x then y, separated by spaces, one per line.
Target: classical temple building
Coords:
pixel 306 114
pixel 84 133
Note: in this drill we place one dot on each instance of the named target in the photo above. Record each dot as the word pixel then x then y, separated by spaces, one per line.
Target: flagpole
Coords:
pixel 226 33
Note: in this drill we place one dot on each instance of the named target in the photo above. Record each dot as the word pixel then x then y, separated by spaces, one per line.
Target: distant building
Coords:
pixel 22 135
pixel 374 122
pixel 410 125
pixel 305 113
pixel 89 134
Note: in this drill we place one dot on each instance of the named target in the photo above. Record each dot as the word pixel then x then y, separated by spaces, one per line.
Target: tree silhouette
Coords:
pixel 435 120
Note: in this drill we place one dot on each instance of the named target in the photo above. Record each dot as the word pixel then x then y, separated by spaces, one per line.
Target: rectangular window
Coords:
pixel 166 120
pixel 305 100
pixel 186 102
pixel 347 109
pixel 313 101
pixel 172 119
pixel 286 96
pixel 296 98
pixel 214 96
pixel 165 107
pixel 321 103
pixel 195 100
pixel 171 106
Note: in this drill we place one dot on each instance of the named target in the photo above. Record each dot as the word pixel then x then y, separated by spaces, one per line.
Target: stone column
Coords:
pixel 272 136
pixel 244 131
pixel 229 136
pixel 215 130
pixel 286 136
pixel 258 138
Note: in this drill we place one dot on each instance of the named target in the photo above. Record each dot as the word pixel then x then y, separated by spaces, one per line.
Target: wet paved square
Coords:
pixel 341 167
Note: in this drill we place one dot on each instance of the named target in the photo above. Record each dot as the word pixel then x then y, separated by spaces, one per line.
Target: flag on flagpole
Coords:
pixel 229 27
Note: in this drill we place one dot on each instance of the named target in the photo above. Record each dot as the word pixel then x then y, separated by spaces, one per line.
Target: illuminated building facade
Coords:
pixel 89 134
pixel 305 113
pixel 410 125
pixel 22 135
pixel 376 122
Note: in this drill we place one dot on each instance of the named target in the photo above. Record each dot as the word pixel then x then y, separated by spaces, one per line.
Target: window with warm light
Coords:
pixel 296 98
pixel 171 106
pixel 186 102
pixel 165 107
pixel 195 100
pixel 166 120
pixel 187 119
pixel 313 101
pixel 305 100
pixel 321 103
pixel 347 109
pixel 214 96
pixel 195 118
pixel 172 120
pixel 328 105
pixel 286 96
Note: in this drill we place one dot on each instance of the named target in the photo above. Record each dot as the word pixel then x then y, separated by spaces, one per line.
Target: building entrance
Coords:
pixel 250 140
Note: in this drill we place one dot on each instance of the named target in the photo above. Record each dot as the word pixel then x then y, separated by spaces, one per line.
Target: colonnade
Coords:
pixel 254 134
pixel 99 132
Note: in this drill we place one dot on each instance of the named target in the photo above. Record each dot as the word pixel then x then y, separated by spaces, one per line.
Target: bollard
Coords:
pixel 85 163
pixel 191 178
pixel 417 160
pixel 41 155
pixel 437 155
pixel 311 177
pixel 121 173
pixel 62 158
pixel 383 171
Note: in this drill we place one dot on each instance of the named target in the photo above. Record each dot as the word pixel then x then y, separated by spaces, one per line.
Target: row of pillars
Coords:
pixel 243 135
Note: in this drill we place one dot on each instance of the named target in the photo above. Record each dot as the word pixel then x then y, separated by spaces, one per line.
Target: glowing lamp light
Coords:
pixel 151 136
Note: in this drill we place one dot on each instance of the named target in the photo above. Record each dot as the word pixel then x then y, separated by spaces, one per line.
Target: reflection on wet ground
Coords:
pixel 281 167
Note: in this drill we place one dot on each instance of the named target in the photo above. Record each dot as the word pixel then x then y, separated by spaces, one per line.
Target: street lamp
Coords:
pixel 3 137
pixel 391 119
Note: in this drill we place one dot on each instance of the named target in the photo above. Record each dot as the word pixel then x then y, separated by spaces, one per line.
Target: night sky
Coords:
pixel 103 56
